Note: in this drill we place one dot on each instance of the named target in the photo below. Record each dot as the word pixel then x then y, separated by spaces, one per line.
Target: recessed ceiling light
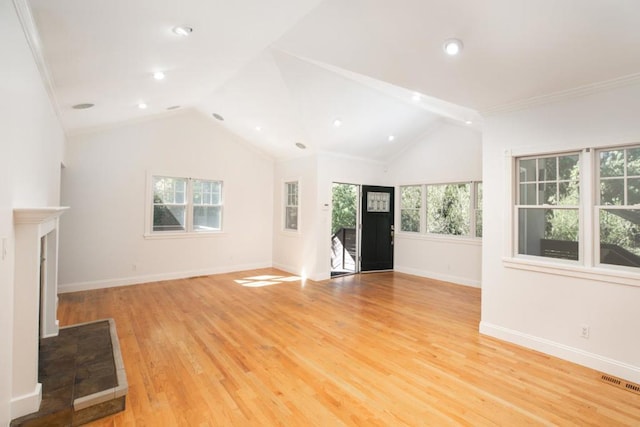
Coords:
pixel 182 30
pixel 158 75
pixel 142 106
pixel 173 107
pixel 468 122
pixel 258 128
pixel 452 47
pixel 416 97
pixel 218 116
pixel 391 138
pixel 337 123
pixel 300 145
pixel 82 106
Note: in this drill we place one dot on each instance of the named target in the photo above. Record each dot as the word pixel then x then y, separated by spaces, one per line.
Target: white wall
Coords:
pixel 332 168
pixel 102 240
pixel 308 252
pixel 295 251
pixel 449 153
pixel 457 152
pixel 31 150
pixel 545 311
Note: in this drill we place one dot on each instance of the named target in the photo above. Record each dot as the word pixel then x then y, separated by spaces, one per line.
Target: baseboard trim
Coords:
pixel 286 268
pixel 321 276
pixel 295 271
pixel 27 403
pixel 458 280
pixel 413 271
pixel 562 351
pixel 126 281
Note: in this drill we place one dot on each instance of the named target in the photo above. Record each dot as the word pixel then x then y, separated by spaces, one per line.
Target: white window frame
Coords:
pixel 419 209
pixel 477 205
pixel 588 266
pixel 598 206
pixel 517 206
pixel 423 234
pixel 469 208
pixel 189 230
pixel 286 205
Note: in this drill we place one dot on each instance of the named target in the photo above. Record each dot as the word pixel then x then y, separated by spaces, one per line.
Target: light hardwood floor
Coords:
pixel 384 349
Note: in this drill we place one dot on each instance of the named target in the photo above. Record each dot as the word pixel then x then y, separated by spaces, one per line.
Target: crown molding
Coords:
pixel 23 10
pixel 576 92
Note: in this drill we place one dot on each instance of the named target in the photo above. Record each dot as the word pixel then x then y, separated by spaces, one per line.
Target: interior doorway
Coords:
pixel 344 225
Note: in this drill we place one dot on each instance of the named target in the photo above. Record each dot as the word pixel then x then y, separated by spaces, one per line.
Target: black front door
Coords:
pixel 377 228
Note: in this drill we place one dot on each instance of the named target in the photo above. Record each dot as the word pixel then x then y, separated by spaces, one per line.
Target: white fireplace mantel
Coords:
pixel 37 215
pixel 35 299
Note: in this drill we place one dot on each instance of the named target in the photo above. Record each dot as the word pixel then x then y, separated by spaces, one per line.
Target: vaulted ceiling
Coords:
pixel 282 71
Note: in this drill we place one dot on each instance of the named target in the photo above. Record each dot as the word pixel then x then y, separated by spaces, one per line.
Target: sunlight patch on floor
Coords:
pixel 266 280
pixel 259 284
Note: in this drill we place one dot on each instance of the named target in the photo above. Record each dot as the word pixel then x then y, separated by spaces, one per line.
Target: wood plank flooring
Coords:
pixel 385 349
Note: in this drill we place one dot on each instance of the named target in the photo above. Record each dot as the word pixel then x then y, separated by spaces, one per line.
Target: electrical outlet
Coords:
pixel 584 331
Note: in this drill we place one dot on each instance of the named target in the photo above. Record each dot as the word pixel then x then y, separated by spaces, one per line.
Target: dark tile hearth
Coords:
pixel 82 376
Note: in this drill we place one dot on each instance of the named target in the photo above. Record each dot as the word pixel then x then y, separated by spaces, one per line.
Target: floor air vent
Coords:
pixel 635 388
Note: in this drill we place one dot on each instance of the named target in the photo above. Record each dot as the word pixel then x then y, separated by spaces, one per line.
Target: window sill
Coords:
pixel 571 269
pixel 464 240
pixel 198 235
pixel 290 233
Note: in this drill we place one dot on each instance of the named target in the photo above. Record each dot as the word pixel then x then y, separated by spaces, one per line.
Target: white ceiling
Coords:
pixel 293 66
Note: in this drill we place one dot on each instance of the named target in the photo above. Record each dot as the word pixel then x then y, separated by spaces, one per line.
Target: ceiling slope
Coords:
pixel 278 100
pixel 513 49
pixel 291 67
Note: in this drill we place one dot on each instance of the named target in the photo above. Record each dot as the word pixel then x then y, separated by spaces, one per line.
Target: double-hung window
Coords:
pixel 291 206
pixel 169 204
pixel 600 228
pixel 548 202
pixel 207 205
pixel 477 209
pixel 185 205
pixel 618 206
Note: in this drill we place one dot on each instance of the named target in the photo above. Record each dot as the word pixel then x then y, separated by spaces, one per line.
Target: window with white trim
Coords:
pixel 207 205
pixel 185 205
pixel 291 205
pixel 618 206
pixel 548 202
pixel 477 209
pixel 452 209
pixel 449 209
pixel 554 220
pixel 410 207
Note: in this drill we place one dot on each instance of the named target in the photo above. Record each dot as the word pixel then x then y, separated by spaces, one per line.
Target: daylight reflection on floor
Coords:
pixel 266 280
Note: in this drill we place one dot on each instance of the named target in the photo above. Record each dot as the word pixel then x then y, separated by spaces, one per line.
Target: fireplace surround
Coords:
pixel 35 299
